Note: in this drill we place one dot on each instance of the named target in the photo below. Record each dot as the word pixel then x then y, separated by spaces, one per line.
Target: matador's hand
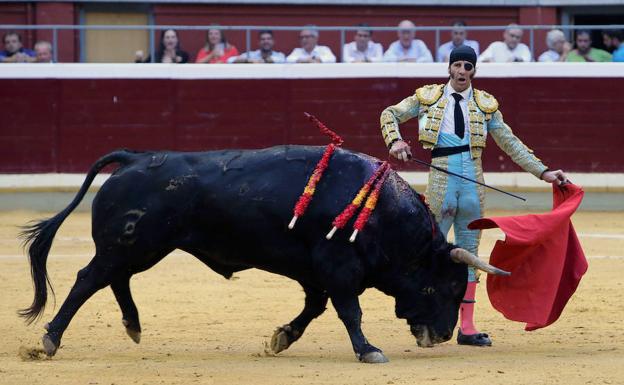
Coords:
pixel 556 176
pixel 401 150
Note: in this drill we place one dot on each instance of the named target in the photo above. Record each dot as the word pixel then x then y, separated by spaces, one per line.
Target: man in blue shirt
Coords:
pixel 612 39
pixel 14 52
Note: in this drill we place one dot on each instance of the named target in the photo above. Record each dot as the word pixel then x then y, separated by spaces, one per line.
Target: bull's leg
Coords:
pixel 315 305
pixel 350 313
pixel 89 280
pixel 130 314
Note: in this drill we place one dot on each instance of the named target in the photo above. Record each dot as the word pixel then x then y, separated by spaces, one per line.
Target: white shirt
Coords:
pixel 444 51
pixel 498 52
pixel 448 121
pixel 373 53
pixel 418 50
pixel 277 57
pixel 320 51
pixel 549 55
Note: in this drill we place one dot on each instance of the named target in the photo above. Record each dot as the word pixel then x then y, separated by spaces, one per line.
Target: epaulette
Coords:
pixel 486 102
pixel 430 94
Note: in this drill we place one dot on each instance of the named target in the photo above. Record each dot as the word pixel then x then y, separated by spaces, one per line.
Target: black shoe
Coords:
pixel 479 339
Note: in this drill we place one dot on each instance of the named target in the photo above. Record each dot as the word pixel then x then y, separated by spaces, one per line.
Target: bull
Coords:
pixel 230 208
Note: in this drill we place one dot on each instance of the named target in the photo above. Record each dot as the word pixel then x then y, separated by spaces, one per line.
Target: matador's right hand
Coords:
pixel 401 150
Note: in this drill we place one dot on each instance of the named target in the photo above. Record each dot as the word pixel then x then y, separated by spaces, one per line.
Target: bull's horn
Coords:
pixel 464 256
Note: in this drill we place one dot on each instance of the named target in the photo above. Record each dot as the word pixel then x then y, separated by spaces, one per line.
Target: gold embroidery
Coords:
pixel 477 129
pixel 429 131
pixel 486 102
pixel 429 94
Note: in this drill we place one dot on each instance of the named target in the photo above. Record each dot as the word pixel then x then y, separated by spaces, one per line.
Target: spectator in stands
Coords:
pixel 612 39
pixel 509 50
pixel 407 48
pixel 14 52
pixel 558 47
pixel 362 49
pixel 310 51
pixel 584 51
pixel 263 55
pixel 169 50
pixel 458 37
pixel 43 52
pixel 217 49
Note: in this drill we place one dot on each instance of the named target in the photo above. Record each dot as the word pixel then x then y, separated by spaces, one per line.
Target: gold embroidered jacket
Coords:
pixel 428 105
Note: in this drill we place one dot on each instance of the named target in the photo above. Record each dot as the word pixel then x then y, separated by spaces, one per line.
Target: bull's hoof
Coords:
pixel 49 346
pixel 374 358
pixel 134 335
pixel 280 340
pixel 132 332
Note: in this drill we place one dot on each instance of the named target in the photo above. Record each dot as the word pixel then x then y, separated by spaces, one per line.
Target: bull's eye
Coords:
pixel 427 290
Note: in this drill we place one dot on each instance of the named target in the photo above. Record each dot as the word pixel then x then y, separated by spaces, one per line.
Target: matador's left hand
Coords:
pixel 556 176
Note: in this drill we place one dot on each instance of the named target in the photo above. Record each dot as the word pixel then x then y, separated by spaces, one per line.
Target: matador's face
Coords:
pixel 461 73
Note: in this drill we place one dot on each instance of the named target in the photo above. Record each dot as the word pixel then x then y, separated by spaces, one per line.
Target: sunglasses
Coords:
pixel 468 66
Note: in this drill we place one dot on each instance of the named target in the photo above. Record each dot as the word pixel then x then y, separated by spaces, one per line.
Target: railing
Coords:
pixel 153 29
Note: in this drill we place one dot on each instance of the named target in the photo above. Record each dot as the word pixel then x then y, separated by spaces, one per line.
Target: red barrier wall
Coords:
pixel 64 125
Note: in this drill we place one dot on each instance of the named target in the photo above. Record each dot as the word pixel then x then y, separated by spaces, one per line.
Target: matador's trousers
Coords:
pixel 455 201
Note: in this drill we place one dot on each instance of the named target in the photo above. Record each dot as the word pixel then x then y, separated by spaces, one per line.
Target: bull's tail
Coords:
pixel 38 236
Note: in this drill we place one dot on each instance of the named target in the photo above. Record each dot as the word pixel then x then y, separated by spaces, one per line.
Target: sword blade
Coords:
pixel 466 178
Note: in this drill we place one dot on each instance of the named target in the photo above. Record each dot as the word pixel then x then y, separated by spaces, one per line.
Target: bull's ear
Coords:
pixel 459 255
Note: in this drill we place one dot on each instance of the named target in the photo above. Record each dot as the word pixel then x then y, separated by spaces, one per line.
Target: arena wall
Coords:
pixel 62 117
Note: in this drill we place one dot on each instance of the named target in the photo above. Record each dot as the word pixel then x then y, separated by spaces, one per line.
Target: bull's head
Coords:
pixel 431 293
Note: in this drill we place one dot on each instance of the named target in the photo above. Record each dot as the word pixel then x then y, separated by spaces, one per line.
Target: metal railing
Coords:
pixel 153 29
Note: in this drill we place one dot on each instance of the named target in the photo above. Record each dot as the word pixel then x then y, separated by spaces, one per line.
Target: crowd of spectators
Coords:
pixel 407 48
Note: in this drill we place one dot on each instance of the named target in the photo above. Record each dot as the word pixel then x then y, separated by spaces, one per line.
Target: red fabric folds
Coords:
pixel 545 259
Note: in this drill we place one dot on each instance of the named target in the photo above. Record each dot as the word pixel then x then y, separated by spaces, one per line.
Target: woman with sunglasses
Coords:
pixel 454 120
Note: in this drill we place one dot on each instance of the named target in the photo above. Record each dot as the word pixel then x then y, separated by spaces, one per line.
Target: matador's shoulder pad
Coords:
pixel 486 102
pixel 429 94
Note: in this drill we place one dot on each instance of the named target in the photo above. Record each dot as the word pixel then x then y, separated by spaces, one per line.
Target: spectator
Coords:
pixel 217 49
pixel 407 48
pixel 43 52
pixel 584 51
pixel 169 50
pixel 263 55
pixel 612 39
pixel 310 52
pixel 362 49
pixel 458 37
pixel 508 50
pixel 558 47
pixel 14 52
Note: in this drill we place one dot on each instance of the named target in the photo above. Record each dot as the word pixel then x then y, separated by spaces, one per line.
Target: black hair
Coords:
pixel 263 31
pixel 614 34
pixel 458 23
pixel 365 27
pixel 11 33
pixel 584 32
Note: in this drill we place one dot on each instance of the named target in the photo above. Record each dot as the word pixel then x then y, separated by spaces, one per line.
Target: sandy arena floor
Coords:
pixel 200 328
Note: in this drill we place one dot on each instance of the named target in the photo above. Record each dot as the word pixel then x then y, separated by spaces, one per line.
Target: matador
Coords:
pixel 454 120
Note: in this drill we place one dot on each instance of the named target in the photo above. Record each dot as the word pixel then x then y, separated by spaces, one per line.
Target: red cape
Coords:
pixel 545 259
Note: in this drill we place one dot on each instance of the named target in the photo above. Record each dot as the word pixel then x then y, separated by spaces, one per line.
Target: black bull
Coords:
pixel 230 209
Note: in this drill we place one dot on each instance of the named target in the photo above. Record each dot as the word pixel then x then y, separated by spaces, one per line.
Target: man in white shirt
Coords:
pixel 458 37
pixel 263 55
pixel 558 47
pixel 407 48
pixel 310 51
pixel 362 49
pixel 509 50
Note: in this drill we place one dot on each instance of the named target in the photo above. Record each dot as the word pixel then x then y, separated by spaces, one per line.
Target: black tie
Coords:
pixel 459 116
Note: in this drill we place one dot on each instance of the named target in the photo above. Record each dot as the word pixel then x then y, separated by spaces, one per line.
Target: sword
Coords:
pixel 463 177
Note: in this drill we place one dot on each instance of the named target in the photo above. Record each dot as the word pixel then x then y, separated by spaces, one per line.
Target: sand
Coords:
pixel 199 328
